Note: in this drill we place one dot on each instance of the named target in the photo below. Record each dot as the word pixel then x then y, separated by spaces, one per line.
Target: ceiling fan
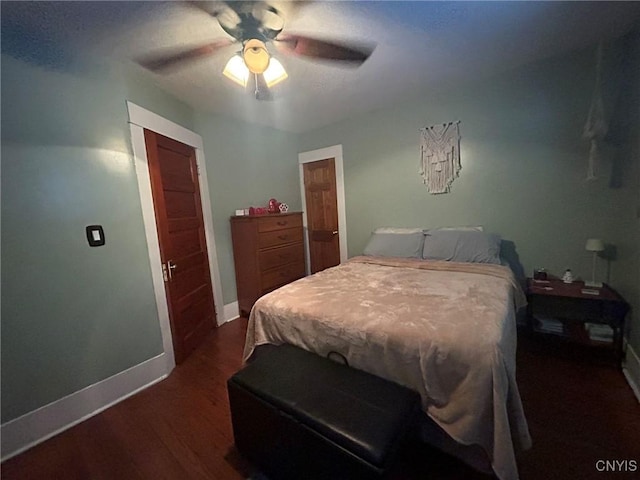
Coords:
pixel 255 24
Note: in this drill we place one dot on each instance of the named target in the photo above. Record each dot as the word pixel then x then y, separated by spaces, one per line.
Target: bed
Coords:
pixel 443 328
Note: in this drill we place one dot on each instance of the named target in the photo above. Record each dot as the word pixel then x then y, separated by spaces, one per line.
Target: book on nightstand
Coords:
pixel 590 291
pixel 599 332
pixel 549 325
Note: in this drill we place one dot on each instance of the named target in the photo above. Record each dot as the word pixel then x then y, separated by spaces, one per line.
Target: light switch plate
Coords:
pixel 95 235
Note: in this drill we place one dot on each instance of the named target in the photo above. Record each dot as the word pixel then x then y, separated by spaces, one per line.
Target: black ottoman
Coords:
pixel 298 415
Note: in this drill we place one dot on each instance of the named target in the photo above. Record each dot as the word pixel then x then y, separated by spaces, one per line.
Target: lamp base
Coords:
pixel 593 284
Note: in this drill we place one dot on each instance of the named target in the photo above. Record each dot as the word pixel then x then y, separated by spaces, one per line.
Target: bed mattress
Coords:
pixel 444 329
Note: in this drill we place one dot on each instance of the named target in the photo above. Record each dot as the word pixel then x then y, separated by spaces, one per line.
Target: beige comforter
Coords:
pixel 444 329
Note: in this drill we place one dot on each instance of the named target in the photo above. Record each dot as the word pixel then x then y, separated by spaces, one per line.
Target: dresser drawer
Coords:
pixel 269 224
pixel 274 257
pixel 279 237
pixel 281 276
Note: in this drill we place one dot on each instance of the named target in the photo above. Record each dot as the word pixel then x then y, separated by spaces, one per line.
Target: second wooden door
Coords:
pixel 322 214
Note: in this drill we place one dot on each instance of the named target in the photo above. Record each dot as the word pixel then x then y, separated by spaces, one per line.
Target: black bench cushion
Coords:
pixel 358 411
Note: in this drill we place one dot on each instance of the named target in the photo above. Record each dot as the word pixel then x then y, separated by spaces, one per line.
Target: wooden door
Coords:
pixel 183 248
pixel 322 213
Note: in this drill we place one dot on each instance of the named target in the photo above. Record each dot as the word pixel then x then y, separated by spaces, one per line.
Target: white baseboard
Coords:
pixel 631 370
pixel 231 312
pixel 43 423
pixel 37 426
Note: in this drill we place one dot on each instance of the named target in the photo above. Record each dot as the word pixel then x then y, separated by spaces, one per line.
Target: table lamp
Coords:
pixel 594 245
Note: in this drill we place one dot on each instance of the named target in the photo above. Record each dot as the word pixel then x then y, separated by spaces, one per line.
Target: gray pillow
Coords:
pixel 478 228
pixel 398 230
pixel 462 246
pixel 407 245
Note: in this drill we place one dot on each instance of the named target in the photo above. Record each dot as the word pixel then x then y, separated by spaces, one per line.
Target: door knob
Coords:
pixel 170 268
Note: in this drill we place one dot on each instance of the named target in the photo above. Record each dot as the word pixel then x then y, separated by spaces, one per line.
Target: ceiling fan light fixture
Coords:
pixel 236 70
pixel 256 56
pixel 275 73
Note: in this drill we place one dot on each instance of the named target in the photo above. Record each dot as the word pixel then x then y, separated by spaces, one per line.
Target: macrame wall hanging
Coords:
pixel 440 156
pixel 596 127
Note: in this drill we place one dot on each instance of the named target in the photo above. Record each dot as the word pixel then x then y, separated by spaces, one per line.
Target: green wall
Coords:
pixel 246 166
pixel 523 172
pixel 629 152
pixel 72 315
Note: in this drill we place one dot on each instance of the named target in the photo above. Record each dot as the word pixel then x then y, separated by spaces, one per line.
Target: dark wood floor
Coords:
pixel 180 428
pixel 578 413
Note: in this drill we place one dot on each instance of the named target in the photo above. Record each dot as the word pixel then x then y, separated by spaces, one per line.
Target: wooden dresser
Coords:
pixel 268 252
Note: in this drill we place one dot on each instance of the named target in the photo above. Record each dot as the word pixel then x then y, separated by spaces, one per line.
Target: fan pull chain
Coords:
pixel 256 92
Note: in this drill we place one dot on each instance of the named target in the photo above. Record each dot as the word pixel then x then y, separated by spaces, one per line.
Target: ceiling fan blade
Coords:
pixel 287 7
pixel 257 87
pixel 290 9
pixel 210 8
pixel 322 49
pixel 166 61
pixel 226 15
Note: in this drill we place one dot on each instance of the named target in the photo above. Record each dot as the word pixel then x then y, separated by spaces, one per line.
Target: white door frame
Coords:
pixel 139 119
pixel 334 152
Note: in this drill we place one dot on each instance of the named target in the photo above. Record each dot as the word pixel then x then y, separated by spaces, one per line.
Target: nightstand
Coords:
pixel 572 312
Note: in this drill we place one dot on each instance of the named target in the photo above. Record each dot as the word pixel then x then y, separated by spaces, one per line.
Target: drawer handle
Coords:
pixel 282 223
pixel 283 237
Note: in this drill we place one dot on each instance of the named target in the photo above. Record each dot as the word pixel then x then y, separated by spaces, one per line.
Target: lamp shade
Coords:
pixel 275 73
pixel 236 70
pixel 594 245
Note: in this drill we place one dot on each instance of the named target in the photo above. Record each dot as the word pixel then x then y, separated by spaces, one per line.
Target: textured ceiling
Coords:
pixel 420 45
